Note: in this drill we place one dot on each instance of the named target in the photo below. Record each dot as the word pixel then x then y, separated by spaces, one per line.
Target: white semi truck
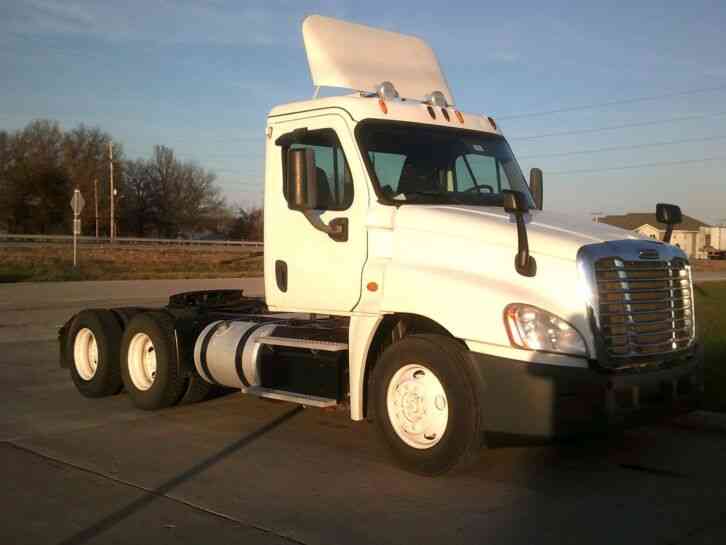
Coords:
pixel 413 278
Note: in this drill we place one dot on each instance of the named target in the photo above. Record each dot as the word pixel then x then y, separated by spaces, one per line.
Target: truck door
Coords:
pixel 305 269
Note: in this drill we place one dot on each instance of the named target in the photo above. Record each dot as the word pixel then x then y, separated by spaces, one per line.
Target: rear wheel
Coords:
pixel 149 366
pixel 426 408
pixel 92 353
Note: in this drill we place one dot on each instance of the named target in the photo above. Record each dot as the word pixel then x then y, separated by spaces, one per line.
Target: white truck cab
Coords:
pixel 413 275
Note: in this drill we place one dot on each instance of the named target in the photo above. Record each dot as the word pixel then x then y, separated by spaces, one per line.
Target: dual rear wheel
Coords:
pixel 142 358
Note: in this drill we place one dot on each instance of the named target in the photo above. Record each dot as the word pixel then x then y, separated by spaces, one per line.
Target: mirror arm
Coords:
pixel 337 230
pixel 668 233
pixel 524 263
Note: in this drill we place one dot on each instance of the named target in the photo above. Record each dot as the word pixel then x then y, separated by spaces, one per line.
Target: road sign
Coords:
pixel 77 203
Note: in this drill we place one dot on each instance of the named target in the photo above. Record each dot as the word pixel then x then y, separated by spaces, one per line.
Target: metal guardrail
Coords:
pixel 129 240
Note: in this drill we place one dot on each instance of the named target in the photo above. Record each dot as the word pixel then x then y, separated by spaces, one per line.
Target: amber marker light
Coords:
pixel 382 104
pixel 372 286
pixel 459 116
pixel 492 123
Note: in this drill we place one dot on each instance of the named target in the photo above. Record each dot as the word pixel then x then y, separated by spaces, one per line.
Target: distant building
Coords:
pixel 715 241
pixel 692 235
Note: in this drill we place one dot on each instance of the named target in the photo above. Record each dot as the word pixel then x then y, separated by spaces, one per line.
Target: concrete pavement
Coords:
pixel 245 470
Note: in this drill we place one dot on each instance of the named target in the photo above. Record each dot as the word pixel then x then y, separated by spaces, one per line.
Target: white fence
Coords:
pixel 129 240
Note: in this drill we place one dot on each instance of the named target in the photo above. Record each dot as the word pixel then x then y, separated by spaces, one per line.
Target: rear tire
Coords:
pixel 426 408
pixel 92 353
pixel 149 366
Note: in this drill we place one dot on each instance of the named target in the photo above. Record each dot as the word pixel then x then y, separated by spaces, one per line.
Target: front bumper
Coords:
pixel 522 399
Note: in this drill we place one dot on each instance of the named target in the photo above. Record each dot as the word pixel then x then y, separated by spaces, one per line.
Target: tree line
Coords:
pixel 162 196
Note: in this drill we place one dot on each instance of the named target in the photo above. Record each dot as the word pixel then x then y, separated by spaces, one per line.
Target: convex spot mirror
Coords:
pixel 670 214
pixel 301 185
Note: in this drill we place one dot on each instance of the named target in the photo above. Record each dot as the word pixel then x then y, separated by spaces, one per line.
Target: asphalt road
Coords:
pixel 244 470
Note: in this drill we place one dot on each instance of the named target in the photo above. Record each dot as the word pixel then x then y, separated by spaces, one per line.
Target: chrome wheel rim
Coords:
pixel 141 361
pixel 418 408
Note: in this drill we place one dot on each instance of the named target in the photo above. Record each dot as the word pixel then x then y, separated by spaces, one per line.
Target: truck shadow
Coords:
pixel 120 515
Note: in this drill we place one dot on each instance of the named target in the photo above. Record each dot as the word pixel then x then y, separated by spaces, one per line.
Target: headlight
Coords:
pixel 535 329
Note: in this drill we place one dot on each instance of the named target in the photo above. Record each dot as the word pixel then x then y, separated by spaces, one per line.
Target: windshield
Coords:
pixel 423 164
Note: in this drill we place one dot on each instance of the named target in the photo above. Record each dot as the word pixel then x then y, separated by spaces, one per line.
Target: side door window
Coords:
pixel 335 183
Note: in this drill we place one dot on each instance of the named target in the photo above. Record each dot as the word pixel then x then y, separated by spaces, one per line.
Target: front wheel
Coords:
pixel 426 407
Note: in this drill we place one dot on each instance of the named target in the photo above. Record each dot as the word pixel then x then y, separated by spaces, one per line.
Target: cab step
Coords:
pixel 292 397
pixel 309 344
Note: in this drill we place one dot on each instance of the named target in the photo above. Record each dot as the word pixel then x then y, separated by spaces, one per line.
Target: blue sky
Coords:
pixel 201 76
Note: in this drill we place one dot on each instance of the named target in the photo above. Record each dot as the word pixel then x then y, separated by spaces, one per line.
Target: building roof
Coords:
pixel 637 219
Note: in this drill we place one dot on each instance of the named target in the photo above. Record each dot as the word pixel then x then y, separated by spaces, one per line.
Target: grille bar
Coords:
pixel 645 308
pixel 640 312
pixel 644 290
pixel 650 333
pixel 636 280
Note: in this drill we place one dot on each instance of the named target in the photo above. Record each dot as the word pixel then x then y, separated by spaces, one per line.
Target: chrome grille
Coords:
pixel 645 308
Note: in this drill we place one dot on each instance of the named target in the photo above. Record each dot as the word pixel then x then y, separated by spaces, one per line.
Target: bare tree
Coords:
pixel 184 195
pixel 136 192
pixel 40 165
pixel 85 159
pixel 247 225
pixel 5 183
pixel 38 185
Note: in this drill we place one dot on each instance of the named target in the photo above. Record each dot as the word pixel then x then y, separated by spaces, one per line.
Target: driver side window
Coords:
pixel 335 183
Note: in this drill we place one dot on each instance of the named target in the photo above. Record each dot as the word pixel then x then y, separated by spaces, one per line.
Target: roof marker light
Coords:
pixel 431 112
pixel 387 91
pixel 446 114
pixel 459 116
pixel 382 104
pixel 492 123
pixel 436 98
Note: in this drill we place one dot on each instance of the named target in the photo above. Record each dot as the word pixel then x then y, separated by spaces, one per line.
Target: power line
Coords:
pixel 617 102
pixel 618 127
pixel 641 165
pixel 625 147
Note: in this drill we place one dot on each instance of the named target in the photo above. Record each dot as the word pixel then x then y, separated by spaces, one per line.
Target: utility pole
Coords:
pixel 111 195
pixel 95 200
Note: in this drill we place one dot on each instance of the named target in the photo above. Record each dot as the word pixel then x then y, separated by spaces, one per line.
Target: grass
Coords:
pixel 711 320
pixel 35 263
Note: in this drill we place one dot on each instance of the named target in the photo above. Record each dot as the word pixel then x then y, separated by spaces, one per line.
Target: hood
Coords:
pixel 549 233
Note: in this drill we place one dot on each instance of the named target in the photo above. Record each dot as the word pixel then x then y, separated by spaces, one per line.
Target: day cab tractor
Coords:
pixel 413 278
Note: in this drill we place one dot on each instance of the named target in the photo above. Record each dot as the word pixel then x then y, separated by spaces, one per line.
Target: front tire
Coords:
pixel 426 407
pixel 149 366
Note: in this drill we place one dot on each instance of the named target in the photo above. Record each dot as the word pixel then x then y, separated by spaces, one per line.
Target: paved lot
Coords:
pixel 243 470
